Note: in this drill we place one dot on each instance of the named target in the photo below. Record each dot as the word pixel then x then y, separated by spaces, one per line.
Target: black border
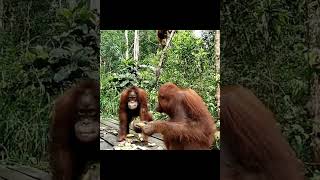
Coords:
pixel 177 14
pixel 160 164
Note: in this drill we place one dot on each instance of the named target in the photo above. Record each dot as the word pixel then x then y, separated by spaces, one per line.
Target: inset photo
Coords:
pixel 159 89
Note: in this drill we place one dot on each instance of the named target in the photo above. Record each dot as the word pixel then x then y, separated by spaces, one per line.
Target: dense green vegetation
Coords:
pixel 264 47
pixel 189 62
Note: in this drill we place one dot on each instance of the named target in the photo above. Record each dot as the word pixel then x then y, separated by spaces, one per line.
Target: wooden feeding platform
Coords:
pixel 109 130
pixel 8 172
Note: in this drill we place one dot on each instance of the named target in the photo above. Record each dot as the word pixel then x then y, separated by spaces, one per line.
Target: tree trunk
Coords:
pixel 217 58
pixel 127 43
pixel 313 45
pixel 136 46
pixel 161 61
pixel 1 14
pixel 28 25
pixel 95 4
pixel 72 3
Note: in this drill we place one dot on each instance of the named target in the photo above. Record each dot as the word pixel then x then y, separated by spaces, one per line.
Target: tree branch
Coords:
pixel 161 61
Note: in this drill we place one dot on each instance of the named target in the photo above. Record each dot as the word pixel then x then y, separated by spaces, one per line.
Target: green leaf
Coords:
pixel 84 28
pixel 124 83
pixel 92 74
pixel 64 72
pixel 30 56
pixel 66 13
pixel 298 140
pixel 59 53
pixel 41 53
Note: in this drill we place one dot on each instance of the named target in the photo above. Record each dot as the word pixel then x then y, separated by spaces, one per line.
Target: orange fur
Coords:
pixel 252 145
pixel 68 157
pixel 190 126
pixel 126 115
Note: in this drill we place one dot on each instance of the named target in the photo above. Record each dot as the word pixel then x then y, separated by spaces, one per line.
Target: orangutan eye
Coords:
pixel 92 113
pixel 81 112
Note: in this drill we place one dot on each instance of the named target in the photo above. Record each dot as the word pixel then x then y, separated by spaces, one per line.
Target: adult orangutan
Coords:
pixel 133 103
pixel 190 126
pixel 252 147
pixel 74 131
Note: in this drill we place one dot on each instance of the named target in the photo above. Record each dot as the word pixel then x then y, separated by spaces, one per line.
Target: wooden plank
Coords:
pixel 157 136
pixel 112 139
pixel 9 174
pixel 105 145
pixel 32 172
pixel 150 139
